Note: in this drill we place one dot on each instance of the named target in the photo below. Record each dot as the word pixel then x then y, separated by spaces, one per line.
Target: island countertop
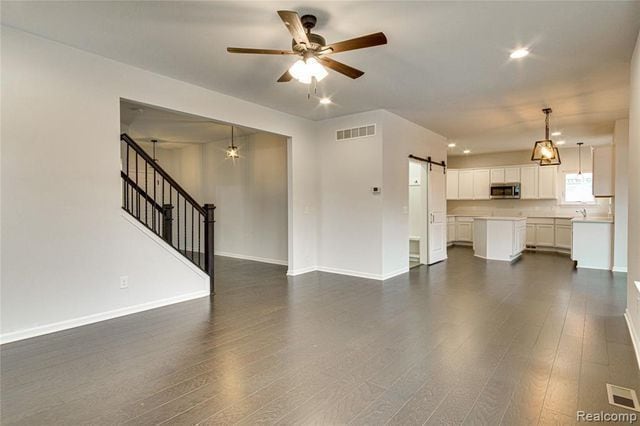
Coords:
pixel 510 218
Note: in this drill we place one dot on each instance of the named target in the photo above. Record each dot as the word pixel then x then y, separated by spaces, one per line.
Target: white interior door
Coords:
pixel 437 214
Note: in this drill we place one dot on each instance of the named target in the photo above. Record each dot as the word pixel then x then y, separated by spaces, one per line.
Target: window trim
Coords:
pixel 563 191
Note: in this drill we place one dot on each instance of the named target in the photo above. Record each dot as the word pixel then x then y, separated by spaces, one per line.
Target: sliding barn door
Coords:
pixel 437 214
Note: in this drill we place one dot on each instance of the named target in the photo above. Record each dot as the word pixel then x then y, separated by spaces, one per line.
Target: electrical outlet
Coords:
pixel 124 282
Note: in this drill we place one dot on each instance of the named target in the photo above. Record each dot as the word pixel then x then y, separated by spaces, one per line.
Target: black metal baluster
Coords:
pixel 192 250
pixel 126 155
pixel 199 254
pixel 146 192
pixel 185 226
pixel 155 201
pixel 137 192
pixel 178 221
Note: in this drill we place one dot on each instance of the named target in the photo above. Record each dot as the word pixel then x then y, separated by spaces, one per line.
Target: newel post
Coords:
pixel 209 220
pixel 167 222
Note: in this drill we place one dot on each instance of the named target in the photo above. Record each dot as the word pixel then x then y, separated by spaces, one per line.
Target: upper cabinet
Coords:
pixel 529 182
pixel 452 184
pixel 497 176
pixel 547 182
pixel 481 184
pixel 603 171
pixel 465 185
pixel 512 174
pixel 475 184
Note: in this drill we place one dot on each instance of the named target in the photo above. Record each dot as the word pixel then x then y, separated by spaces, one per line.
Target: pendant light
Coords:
pixel 580 158
pixel 544 149
pixel 154 142
pixel 232 150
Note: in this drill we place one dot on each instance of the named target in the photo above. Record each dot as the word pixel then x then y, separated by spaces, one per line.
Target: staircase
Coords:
pixel 156 200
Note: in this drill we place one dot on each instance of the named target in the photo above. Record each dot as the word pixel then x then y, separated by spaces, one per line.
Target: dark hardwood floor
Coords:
pixel 463 341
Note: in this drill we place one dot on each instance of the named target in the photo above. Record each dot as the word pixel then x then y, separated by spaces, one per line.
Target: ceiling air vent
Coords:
pixel 356 132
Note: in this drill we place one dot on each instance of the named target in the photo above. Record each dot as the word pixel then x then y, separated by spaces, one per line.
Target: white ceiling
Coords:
pixel 172 129
pixel 446 66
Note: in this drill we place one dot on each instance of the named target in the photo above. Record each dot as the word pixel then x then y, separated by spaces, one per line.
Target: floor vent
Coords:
pixel 623 397
pixel 356 132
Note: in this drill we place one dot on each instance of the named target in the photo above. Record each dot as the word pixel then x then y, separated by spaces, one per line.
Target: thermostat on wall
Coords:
pixel 376 189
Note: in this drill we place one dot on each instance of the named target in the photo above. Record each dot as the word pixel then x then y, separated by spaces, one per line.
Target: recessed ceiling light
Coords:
pixel 556 133
pixel 519 53
pixel 560 142
pixel 451 145
pixel 325 101
pixel 466 151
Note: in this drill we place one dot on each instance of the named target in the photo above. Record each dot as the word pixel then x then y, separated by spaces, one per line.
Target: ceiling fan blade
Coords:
pixel 260 51
pixel 285 77
pixel 294 25
pixel 341 68
pixel 356 43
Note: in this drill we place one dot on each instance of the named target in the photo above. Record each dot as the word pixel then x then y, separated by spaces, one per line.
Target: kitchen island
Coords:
pixel 499 238
pixel 593 242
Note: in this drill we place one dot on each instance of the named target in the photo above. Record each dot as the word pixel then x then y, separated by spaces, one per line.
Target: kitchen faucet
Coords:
pixel 583 212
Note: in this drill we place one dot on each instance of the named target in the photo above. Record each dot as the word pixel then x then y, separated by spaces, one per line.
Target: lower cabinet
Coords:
pixel 451 229
pixel 464 231
pixel 564 232
pixel 545 235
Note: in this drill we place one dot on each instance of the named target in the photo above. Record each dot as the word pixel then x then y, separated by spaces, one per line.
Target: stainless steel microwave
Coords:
pixel 505 190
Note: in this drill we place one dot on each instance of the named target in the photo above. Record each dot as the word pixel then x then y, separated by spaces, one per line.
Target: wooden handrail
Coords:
pixel 141 152
pixel 140 191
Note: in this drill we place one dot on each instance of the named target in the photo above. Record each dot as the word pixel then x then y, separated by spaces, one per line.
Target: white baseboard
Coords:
pixel 253 258
pixel 619 269
pixel 350 273
pixel 93 318
pixel 294 272
pixel 634 336
pixel 395 273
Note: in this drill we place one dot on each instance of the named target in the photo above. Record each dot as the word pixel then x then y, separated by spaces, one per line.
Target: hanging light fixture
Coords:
pixel 544 149
pixel 305 70
pixel 580 158
pixel 232 150
pixel 154 142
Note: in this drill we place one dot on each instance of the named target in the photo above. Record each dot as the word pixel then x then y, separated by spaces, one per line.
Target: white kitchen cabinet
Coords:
pixel 481 184
pixel 520 240
pixel 497 176
pixel 499 238
pixel 529 182
pixel 464 229
pixel 592 245
pixel 451 229
pixel 512 174
pixel 545 235
pixel 603 171
pixel 563 236
pixel 531 235
pixel 547 182
pixel 452 184
pixel 465 185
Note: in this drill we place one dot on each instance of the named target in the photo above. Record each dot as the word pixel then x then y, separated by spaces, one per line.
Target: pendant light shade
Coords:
pixel 544 150
pixel 580 157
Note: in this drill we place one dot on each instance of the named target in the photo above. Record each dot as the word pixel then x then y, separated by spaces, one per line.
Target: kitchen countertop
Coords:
pixel 593 219
pixel 508 218
pixel 596 218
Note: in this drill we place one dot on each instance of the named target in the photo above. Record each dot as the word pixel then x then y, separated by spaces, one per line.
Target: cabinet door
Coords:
pixel 520 236
pixel 563 236
pixel 497 176
pixel 465 185
pixel 451 232
pixel 529 182
pixel 547 182
pixel 531 235
pixel 464 231
pixel 603 176
pixel 481 185
pixel 452 184
pixel 545 235
pixel 512 174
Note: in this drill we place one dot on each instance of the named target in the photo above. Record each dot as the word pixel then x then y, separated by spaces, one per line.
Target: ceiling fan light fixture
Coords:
pixel 305 70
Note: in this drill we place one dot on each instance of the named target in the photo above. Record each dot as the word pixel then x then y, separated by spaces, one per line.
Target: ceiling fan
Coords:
pixel 314 50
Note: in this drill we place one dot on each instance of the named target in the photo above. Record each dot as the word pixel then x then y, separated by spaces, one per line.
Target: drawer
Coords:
pixel 540 221
pixel 563 222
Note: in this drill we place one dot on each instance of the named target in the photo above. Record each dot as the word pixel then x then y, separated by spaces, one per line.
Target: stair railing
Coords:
pixel 157 201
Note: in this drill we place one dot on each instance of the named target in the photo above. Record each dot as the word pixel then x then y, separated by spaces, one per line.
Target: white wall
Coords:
pixel 61 191
pixel 400 139
pixel 621 200
pixel 569 157
pixel 633 296
pixel 250 195
pixel 351 215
